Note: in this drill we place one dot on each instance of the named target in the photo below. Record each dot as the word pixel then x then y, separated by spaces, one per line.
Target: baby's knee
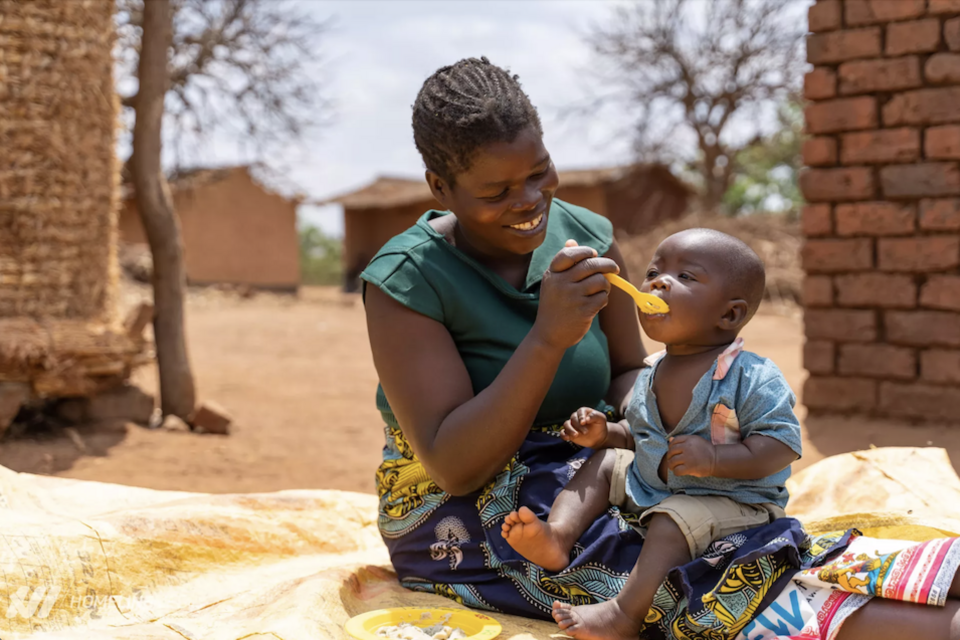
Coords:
pixel 604 462
pixel 666 530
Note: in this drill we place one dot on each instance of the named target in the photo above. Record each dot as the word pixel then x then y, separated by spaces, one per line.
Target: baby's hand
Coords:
pixel 691 456
pixel 586 427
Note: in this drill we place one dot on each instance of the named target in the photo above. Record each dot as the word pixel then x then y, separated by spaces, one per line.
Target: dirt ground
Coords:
pixel 298 377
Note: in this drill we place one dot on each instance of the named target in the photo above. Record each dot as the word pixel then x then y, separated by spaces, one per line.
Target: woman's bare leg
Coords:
pixel 894 620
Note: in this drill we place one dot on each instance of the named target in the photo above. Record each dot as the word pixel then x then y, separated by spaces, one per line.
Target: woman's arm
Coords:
pixel 464 440
pixel 621 325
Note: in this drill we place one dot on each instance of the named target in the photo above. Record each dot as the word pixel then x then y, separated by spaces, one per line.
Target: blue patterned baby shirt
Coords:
pixel 742 395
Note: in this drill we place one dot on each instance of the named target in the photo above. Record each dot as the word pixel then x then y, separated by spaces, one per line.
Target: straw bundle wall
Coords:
pixel 58 182
pixel 59 185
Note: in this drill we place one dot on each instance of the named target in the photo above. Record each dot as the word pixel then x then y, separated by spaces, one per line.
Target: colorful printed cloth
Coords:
pixel 452 545
pixel 817 600
pixel 770 583
pixel 777 583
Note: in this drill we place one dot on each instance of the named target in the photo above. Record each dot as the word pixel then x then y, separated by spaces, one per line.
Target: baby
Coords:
pixel 711 428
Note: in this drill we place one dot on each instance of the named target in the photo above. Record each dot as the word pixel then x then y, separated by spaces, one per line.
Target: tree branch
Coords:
pixel 706 69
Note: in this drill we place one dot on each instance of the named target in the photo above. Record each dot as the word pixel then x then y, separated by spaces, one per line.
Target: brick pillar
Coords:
pixel 882 223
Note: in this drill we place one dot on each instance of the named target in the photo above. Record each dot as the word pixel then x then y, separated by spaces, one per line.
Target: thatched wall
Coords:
pixel 58 193
pixel 58 183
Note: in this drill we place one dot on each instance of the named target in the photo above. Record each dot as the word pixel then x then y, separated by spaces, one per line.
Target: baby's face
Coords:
pixel 688 276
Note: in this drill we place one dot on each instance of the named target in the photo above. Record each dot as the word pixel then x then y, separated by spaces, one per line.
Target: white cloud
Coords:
pixel 381 52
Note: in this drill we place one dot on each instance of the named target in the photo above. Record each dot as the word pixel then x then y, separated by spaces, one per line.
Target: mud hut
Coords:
pixel 635 198
pixel 59 334
pixel 234 229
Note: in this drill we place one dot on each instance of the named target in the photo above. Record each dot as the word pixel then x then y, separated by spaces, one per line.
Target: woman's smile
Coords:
pixel 530 227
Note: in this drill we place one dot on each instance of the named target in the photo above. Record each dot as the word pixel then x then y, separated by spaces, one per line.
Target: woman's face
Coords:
pixel 502 201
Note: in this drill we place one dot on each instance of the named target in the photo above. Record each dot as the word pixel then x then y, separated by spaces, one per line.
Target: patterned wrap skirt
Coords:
pixel 772 582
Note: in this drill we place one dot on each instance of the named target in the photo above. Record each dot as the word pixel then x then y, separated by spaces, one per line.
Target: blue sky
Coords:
pixel 379 52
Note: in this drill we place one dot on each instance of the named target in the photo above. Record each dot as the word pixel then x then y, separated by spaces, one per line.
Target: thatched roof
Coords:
pixel 183 179
pixel 389 191
pixel 197 177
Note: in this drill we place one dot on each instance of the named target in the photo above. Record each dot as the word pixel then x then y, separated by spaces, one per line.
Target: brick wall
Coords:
pixel 882 223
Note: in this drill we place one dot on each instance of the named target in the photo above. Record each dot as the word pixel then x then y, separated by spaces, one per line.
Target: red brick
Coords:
pixel 839 394
pixel 841 324
pixel 925 106
pixel 839 46
pixel 875 289
pixel 861 12
pixel 845 114
pixel 816 220
pixel 929 253
pixel 919 400
pixel 818 152
pixel 943 68
pixel 951 33
pixel 940 365
pixel 944 6
pixel 824 16
pixel 817 291
pixel 818 356
pixel 877 361
pixel 819 84
pixel 922 328
pixel 920 180
pixel 941 292
pixel 891 74
pixel 832 256
pixel 942 143
pixel 883 146
pixel 855 183
pixel 940 215
pixel 920 36
pixel 875 219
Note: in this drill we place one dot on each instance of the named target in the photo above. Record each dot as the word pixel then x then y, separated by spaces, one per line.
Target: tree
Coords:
pixel 177 391
pixel 319 257
pixel 198 67
pixel 695 73
pixel 766 173
pixel 246 69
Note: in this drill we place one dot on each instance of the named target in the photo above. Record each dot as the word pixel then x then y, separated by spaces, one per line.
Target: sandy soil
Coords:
pixel 298 377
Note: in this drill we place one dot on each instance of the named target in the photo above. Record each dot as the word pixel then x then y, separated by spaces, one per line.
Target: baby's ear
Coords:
pixel 734 317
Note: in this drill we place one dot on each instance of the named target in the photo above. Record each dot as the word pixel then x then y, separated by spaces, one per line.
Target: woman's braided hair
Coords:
pixel 464 106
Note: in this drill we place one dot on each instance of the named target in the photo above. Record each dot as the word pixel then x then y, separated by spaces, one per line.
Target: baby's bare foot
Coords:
pixel 535 540
pixel 604 621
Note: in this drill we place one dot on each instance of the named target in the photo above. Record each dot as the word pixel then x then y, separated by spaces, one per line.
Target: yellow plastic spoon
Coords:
pixel 647 302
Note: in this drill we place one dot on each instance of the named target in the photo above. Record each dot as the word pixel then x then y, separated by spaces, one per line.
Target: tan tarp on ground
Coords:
pixel 90 560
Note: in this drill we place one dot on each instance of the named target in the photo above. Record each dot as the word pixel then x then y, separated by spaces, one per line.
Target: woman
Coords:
pixel 490 323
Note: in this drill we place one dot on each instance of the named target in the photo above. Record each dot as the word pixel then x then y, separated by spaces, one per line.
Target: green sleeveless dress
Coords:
pixel 452 545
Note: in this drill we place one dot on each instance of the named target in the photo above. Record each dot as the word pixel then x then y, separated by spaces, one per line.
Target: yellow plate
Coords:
pixel 476 625
pixel 647 302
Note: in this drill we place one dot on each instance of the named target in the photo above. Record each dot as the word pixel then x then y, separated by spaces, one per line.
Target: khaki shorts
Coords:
pixel 702 519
